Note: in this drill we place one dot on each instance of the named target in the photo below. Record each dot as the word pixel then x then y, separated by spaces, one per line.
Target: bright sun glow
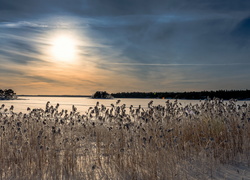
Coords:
pixel 64 48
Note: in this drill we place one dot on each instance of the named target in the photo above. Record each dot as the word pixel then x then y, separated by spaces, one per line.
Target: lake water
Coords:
pixel 83 103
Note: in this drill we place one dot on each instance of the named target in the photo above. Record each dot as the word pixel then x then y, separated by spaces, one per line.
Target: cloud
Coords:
pixel 21 24
pixel 148 38
pixel 243 28
pixel 202 64
pixel 16 57
pixel 146 44
pixel 17 47
pixel 42 79
pixel 10 8
pixel 9 72
pixel 241 33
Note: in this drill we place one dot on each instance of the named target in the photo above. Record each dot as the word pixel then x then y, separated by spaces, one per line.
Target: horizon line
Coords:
pixel 138 92
pixel 162 64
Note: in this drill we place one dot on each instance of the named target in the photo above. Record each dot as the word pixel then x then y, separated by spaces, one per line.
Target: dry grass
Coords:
pixel 160 142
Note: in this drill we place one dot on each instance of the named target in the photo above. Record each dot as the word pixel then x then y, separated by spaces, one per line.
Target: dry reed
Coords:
pixel 158 142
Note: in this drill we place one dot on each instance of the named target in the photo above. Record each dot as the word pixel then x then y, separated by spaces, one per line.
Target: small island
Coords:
pixel 7 94
pixel 101 95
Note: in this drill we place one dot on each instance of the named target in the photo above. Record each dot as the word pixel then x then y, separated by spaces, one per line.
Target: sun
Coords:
pixel 64 48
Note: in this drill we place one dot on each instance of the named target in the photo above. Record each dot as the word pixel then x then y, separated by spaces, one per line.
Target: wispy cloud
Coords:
pixel 202 64
pixel 22 24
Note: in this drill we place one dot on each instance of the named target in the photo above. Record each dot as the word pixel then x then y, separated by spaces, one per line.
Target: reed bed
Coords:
pixel 123 143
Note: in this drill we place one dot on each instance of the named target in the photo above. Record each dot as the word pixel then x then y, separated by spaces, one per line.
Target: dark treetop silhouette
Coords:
pixel 7 94
pixel 223 94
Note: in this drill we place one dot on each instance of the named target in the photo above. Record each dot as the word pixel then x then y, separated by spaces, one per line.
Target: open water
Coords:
pixel 83 103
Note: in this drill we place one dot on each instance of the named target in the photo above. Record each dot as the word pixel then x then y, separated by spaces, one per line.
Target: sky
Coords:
pixel 77 47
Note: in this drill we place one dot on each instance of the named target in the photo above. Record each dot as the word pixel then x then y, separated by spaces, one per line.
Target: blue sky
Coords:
pixel 174 45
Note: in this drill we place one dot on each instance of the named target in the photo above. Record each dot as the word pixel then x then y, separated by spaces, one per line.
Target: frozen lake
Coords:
pixel 83 103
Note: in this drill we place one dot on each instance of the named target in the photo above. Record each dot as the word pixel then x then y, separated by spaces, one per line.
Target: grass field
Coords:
pixel 158 142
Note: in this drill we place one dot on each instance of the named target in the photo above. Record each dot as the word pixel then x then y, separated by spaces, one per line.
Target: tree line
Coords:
pixel 101 95
pixel 223 94
pixel 7 94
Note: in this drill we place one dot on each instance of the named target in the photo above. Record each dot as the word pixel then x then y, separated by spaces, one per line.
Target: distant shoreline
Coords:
pixel 199 95
pixel 54 95
pixel 79 96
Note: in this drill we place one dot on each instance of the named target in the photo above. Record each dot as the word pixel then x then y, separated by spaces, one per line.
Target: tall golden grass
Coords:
pixel 158 142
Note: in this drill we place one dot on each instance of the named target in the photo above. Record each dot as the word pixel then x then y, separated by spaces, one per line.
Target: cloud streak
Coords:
pixel 21 24
pixel 144 64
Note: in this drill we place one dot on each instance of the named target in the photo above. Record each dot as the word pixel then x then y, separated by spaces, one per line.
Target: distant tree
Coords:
pixel 1 93
pixel 101 95
pixel 7 94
